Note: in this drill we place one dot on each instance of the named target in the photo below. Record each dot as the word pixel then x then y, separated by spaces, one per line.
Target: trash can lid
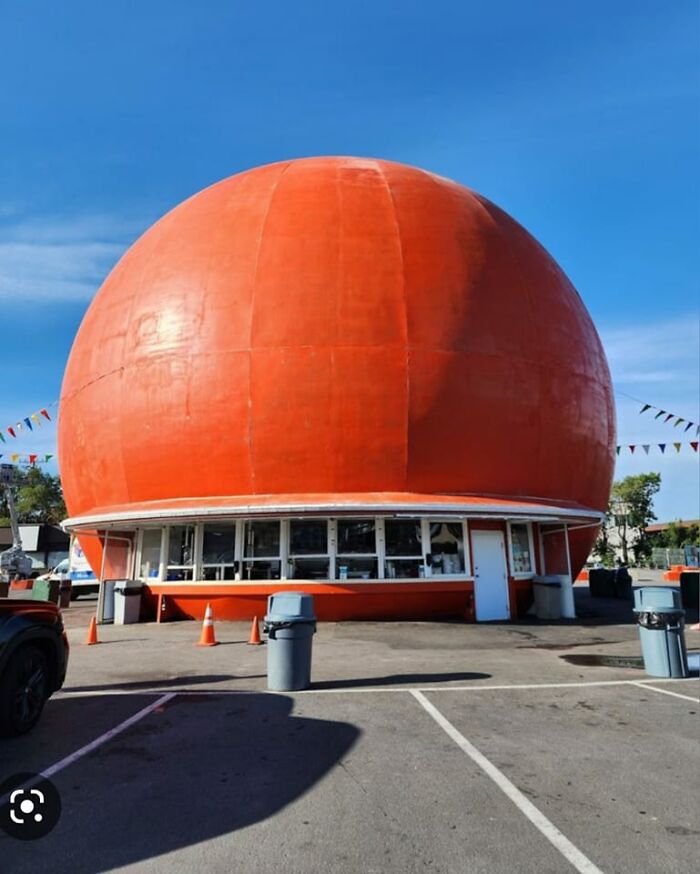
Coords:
pixel 546 581
pixel 290 607
pixel 660 611
pixel 651 597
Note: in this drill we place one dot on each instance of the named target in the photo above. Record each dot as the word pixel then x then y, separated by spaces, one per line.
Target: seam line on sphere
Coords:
pixel 399 243
pixel 261 236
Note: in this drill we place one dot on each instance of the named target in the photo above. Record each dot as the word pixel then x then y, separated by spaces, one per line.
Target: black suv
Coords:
pixel 33 661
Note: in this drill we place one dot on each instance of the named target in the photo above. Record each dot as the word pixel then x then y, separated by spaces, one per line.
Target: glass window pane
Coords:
pixel 308 537
pixel 447 548
pixel 150 553
pixel 218 544
pixel 520 543
pixel 356 536
pixel 405 568
pixel 262 539
pixel 309 569
pixel 357 568
pixel 181 547
pixel 261 570
pixel 219 572
pixel 403 537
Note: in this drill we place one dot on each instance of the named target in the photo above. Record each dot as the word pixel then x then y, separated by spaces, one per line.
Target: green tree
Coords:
pixel 38 498
pixel 631 511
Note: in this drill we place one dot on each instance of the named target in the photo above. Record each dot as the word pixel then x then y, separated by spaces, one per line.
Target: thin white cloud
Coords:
pixel 53 260
pixel 660 352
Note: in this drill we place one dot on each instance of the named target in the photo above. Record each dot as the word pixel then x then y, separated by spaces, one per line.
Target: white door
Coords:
pixel 490 576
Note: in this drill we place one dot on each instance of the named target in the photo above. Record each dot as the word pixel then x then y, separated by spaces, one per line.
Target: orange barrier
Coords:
pixel 91 638
pixel 207 637
pixel 16 585
pixel 582 577
pixel 673 574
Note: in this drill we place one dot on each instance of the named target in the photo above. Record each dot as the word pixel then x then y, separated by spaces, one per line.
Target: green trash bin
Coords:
pixel 661 621
pixel 45 590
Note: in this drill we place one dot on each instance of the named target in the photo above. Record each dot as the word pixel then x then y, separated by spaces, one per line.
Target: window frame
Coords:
pixel 521 575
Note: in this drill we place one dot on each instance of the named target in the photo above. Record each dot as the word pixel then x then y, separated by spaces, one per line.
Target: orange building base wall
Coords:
pixel 332 603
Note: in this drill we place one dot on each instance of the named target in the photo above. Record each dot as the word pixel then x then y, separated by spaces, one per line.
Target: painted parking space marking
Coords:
pixel 570 852
pixel 359 690
pixel 98 742
pixel 642 685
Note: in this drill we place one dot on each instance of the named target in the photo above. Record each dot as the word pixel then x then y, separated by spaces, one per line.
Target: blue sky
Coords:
pixel 581 120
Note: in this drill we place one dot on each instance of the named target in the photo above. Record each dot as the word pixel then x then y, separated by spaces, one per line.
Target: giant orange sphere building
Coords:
pixel 342 375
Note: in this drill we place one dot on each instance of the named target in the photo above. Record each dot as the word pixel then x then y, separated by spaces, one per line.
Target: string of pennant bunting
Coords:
pixel 668 416
pixel 31 458
pixel 29 423
pixel 647 447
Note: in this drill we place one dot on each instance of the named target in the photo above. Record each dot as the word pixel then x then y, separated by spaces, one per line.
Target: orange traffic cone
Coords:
pixel 207 638
pixel 91 638
pixel 254 639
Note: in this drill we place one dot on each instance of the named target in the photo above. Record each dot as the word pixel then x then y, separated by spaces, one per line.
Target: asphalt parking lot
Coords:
pixel 439 747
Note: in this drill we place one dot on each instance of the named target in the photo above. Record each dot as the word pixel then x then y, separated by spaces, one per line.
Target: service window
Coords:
pixel 218 551
pixel 180 553
pixel 520 549
pixel 404 550
pixel 357 549
pixel 150 553
pixel 447 548
pixel 308 550
pixel 261 556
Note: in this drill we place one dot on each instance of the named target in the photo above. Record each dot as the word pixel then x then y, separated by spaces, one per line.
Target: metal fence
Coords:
pixel 664 558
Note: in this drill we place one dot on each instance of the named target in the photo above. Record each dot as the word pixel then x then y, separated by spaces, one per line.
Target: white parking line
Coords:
pixel 359 690
pixel 93 745
pixel 667 692
pixel 558 840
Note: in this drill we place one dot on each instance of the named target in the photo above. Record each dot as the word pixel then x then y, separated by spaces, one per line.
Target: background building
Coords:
pixel 341 375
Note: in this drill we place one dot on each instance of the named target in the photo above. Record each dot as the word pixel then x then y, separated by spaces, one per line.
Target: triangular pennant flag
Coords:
pixel 15 458
pixel 645 447
pixel 670 416
pixel 19 426
pixel 632 448
pixel 617 450
pixel 660 413
pixel 36 419
pixel 678 421
pixel 662 447
pixel 2 437
pixel 678 447
pixel 32 459
pixel 11 431
pixel 45 414
pixel 645 408
pixel 28 423
pixel 688 427
pixel 694 444
pixel 46 457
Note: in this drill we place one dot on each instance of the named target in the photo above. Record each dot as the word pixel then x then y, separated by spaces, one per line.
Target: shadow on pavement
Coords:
pixel 170 682
pixel 398 680
pixel 203 767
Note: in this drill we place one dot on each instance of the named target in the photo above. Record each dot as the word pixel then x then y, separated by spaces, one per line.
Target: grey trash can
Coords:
pixel 660 617
pixel 127 601
pixel 290 624
pixel 547 594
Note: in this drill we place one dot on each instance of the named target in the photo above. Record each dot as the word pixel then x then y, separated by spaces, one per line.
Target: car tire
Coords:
pixel 24 688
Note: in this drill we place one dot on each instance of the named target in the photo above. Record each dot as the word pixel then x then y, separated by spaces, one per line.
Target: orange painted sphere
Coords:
pixel 329 326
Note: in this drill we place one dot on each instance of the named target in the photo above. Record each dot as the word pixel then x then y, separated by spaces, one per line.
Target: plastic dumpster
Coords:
pixel 64 590
pixel 290 624
pixel 547 593
pixel 45 590
pixel 127 601
pixel 690 589
pixel 601 583
pixel 661 618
